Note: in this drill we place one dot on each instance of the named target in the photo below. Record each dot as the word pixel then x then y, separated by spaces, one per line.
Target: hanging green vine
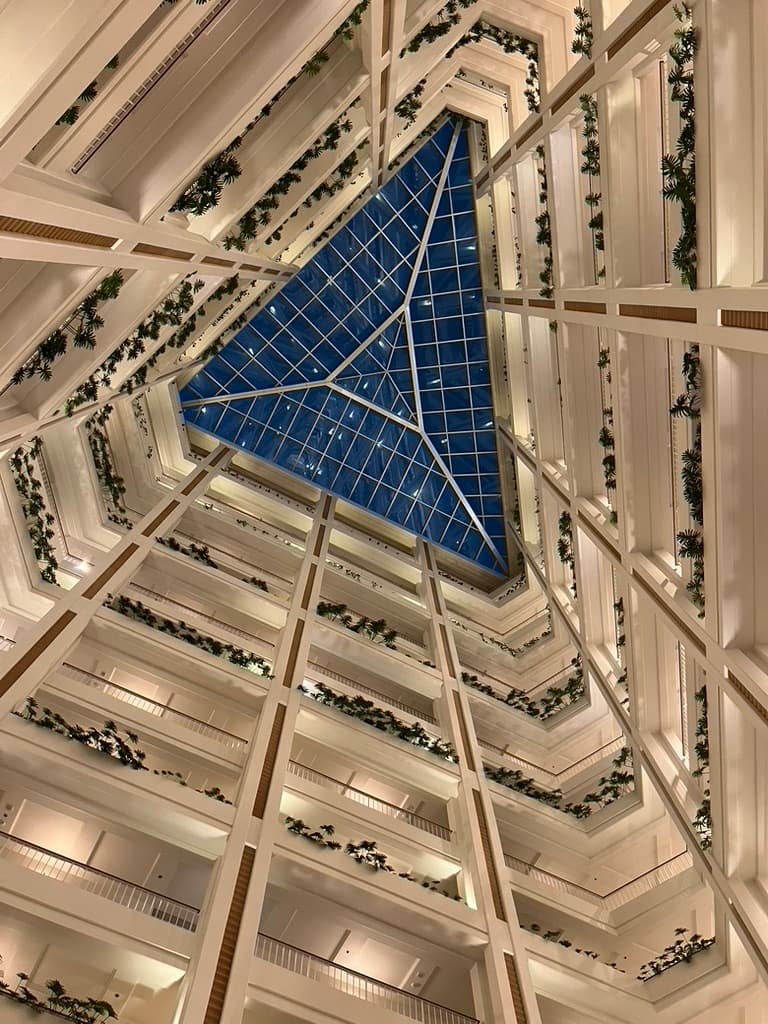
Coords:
pixel 510 43
pixel 106 741
pixel 171 310
pixel 610 788
pixel 591 168
pixel 236 655
pixel 366 711
pixel 204 193
pixel 260 214
pixel 679 168
pixel 410 105
pixel 606 438
pixel 702 823
pixel 111 482
pixel 682 950
pixel 565 546
pixel 88 94
pixel 544 228
pixel 319 835
pixel 441 24
pixel 583 36
pixel 372 629
pixel 555 699
pixel 199 552
pixel 81 327
pixel 179 338
pixel 690 542
pixel 58 1002
pixel 38 519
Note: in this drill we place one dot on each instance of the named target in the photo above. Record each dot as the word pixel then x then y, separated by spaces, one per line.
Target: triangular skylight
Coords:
pixel 368 373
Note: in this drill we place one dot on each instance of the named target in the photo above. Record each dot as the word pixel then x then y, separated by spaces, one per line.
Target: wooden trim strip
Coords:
pixel 521 1016
pixel 216 261
pixel 109 572
pixel 585 307
pixel 318 541
pixel 542 303
pixel 682 314
pixel 749 319
pixel 270 757
pixel 196 479
pixel 493 878
pixel 513 301
pixel 686 632
pixel 150 528
pixel 308 586
pixel 468 756
pixel 160 250
pixel 760 710
pixel 293 654
pixel 54 233
pixel 575 88
pixel 531 131
pixel 447 652
pixel 229 938
pixel 635 26
pixel 28 659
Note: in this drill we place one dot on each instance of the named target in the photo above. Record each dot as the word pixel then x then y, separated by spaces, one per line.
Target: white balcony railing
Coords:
pixel 100 883
pixel 616 897
pixel 154 707
pixel 361 797
pixel 298 961
pixel 423 716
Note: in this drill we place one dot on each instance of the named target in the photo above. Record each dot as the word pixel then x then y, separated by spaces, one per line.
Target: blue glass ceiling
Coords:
pixel 368 373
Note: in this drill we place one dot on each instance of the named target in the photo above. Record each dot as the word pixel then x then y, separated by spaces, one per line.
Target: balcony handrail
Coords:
pixel 163 599
pixel 532 870
pixel 569 771
pixel 392 701
pixel 197 724
pixel 227 554
pixel 6 643
pixel 425 824
pixel 421 1009
pixel 185 918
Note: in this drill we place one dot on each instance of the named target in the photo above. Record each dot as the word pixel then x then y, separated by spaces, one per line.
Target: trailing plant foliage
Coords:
pixel 510 43
pixel 611 787
pixel 260 214
pixel 236 655
pixel 555 698
pixel 38 519
pixel 606 438
pixel 204 193
pixel 679 169
pixel 557 935
pixel 58 1002
pixel 372 629
pixel 410 105
pixel 199 552
pixel 690 542
pixel 591 168
pixel 565 546
pixel 319 835
pixel 368 712
pixel 544 229
pixel 88 94
pixel 682 950
pixel 583 32
pixel 111 482
pixel 171 310
pixel 180 338
pixel 107 741
pixel 365 852
pixel 446 18
pixel 702 823
pixel 80 327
